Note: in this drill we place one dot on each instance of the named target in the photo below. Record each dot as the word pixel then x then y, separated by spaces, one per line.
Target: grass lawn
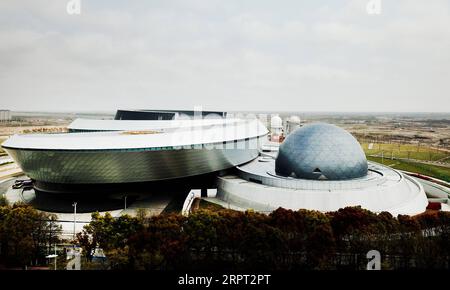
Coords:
pixel 426 169
pixel 406 151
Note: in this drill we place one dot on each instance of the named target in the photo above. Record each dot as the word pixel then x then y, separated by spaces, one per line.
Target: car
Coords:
pixel 20 181
pixel 17 186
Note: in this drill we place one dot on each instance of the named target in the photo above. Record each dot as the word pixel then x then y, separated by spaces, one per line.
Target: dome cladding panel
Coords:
pixel 321 151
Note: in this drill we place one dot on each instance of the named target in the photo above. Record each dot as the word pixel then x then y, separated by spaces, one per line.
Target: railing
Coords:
pixel 187 205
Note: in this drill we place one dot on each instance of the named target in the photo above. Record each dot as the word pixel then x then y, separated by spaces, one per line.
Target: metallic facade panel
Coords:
pixel 123 166
pixel 321 151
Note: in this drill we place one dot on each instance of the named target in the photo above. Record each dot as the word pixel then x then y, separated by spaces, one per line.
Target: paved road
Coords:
pixel 5 185
pixel 75 263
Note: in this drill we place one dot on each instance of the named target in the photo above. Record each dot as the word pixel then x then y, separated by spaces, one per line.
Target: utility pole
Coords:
pixel 55 256
pixel 125 206
pixel 74 219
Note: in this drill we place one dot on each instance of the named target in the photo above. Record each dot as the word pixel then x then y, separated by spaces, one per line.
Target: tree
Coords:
pixel 161 245
pixel 107 232
pixel 26 234
pixel 283 240
pixel 87 242
pixel 432 245
pixel 3 200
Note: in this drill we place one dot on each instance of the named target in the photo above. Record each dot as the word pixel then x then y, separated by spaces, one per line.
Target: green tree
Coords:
pixel 26 235
pixel 3 200
pixel 108 233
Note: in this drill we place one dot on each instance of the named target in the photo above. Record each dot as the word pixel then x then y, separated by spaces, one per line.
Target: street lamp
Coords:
pixel 53 256
pixel 74 218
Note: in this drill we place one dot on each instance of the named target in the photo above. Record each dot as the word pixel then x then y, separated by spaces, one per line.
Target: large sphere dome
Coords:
pixel 321 151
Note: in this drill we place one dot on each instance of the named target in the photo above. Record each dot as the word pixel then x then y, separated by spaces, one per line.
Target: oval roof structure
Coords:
pixel 148 134
pixel 86 125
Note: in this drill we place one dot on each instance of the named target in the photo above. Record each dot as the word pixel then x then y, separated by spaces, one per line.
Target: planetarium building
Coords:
pixel 320 167
pixel 132 151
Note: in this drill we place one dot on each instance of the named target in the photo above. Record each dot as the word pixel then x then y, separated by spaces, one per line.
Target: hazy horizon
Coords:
pixel 113 112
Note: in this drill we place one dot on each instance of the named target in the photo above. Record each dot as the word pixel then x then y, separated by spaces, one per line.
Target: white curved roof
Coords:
pixel 202 132
pixel 387 190
pixel 162 125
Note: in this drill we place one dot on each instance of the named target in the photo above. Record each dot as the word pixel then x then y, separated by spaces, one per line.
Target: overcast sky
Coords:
pixel 226 55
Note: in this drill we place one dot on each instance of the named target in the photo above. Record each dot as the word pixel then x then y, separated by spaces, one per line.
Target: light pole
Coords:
pixel 53 256
pixel 74 218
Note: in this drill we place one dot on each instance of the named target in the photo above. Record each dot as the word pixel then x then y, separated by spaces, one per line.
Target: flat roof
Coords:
pixel 263 170
pixel 205 133
pixel 122 125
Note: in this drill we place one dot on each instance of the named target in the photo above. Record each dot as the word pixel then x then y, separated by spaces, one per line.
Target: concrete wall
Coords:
pixel 403 197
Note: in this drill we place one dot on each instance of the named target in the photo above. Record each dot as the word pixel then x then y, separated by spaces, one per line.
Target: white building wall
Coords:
pixel 5 115
pixel 403 197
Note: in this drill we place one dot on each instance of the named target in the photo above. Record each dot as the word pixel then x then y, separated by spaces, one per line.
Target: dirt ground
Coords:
pixel 6 131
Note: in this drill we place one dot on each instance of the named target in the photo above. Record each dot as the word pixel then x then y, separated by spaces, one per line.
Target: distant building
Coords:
pixel 276 129
pixel 166 114
pixel 5 115
pixel 292 124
